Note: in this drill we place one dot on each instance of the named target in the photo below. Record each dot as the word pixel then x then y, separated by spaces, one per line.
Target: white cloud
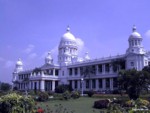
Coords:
pixel 9 64
pixel 147 34
pixel 2 59
pixel 80 44
pixel 29 49
pixel 82 49
pixel 32 55
pixel 54 53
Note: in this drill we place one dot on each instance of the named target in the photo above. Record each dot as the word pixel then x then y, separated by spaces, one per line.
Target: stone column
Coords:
pixel 53 85
pixel 111 83
pixel 37 85
pixel 42 73
pixel 90 84
pixel 73 84
pixel 42 87
pixel 110 69
pixel 96 69
pixel 104 84
pixel 79 71
pixel 103 68
pixel 97 84
pixel 78 85
pixel 54 72
pixel 73 72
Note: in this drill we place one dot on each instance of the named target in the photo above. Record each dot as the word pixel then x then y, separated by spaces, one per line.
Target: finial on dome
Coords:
pixel 49 53
pixel 68 28
pixel 134 28
pixel 19 59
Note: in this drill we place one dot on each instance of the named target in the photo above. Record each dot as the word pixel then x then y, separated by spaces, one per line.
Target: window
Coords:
pixel 76 71
pixel 62 73
pixel 100 68
pixel 132 63
pixel 107 83
pixel 93 83
pixel 70 71
pixel 100 83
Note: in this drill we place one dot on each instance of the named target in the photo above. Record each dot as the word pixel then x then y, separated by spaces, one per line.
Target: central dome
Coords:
pixel 68 36
pixel 19 62
pixel 135 34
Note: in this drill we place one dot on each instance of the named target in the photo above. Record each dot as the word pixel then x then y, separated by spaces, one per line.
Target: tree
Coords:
pixel 87 71
pixel 5 86
pixel 118 64
pixel 146 68
pixel 133 82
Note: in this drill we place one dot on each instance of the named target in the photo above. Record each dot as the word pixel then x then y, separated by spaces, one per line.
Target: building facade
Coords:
pixel 70 69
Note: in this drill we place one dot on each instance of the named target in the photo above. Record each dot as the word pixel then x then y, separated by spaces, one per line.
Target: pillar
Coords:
pixel 79 71
pixel 110 68
pixel 42 87
pixel 73 84
pixel 73 72
pixel 111 83
pixel 53 72
pixel 96 69
pixel 97 84
pixel 53 85
pixel 104 84
pixel 103 67
pixel 78 85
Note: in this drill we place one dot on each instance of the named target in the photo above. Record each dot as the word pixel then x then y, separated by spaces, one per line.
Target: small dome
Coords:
pixel 135 34
pixel 68 36
pixel 19 62
pixel 86 57
pixel 49 57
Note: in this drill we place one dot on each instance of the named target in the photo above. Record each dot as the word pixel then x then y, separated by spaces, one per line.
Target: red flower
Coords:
pixel 40 110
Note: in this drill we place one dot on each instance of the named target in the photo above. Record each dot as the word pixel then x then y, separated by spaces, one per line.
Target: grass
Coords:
pixel 81 105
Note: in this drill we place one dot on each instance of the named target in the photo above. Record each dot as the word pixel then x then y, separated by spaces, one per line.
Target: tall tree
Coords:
pixel 133 82
pixel 87 72
pixel 5 86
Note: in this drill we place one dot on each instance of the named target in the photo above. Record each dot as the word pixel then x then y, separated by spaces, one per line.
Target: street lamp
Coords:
pixel 82 81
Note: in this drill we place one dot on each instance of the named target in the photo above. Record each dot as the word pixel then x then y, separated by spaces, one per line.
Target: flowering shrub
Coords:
pixel 66 95
pixel 42 96
pixel 141 102
pixel 15 103
pixel 75 94
pixel 90 93
pixel 62 88
pixel 101 104
pixel 40 110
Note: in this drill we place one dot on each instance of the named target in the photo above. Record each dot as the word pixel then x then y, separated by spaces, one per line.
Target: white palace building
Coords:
pixel 69 67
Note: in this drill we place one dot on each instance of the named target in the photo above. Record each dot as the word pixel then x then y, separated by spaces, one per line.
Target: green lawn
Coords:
pixel 81 105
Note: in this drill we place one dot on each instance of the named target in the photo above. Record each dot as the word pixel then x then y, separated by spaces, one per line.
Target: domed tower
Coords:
pixel 19 66
pixel 48 59
pixel 67 48
pixel 135 43
pixel 86 57
pixel 135 54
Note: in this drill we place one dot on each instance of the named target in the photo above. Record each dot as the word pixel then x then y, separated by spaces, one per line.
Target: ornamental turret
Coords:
pixel 48 59
pixel 135 43
pixel 67 49
pixel 19 66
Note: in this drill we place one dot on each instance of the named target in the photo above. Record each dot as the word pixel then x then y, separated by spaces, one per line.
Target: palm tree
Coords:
pixel 87 72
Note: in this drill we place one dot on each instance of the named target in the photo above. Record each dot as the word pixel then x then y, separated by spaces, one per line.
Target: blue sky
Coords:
pixel 31 28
